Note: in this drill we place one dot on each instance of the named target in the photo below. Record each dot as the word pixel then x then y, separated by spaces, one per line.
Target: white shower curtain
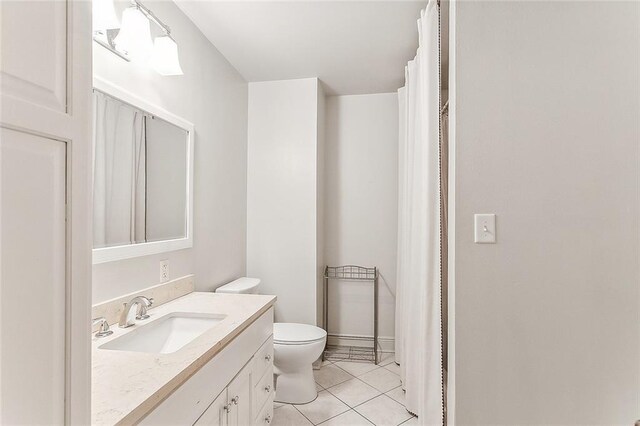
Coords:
pixel 418 332
pixel 119 173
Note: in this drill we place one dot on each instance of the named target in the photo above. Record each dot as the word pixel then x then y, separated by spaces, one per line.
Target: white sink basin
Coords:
pixel 165 335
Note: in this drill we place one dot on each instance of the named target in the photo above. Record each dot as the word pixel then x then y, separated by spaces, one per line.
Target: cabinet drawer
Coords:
pixel 263 359
pixel 265 417
pixel 263 390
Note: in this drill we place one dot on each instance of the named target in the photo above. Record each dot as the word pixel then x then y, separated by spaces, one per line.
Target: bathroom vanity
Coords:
pixel 202 359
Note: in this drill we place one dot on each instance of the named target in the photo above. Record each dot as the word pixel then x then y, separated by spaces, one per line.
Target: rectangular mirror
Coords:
pixel 142 177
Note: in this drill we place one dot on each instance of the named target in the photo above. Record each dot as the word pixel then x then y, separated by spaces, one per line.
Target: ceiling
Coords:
pixel 354 47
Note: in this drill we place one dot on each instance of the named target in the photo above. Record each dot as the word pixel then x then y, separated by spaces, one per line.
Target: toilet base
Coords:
pixel 296 387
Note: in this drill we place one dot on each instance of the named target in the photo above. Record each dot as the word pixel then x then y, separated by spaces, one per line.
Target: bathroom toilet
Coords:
pixel 295 346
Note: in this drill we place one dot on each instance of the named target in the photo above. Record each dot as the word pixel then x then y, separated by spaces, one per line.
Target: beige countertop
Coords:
pixel 125 386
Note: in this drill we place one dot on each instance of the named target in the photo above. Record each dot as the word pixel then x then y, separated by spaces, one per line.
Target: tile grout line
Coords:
pixel 350 408
pixel 409 419
pixel 383 393
pixel 377 366
pixel 364 402
pixel 315 424
pixel 309 420
pixel 373 387
pixel 354 407
pixel 364 417
pixel 402 405
pixel 338 367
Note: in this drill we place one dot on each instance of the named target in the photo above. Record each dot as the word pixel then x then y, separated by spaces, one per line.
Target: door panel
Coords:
pixel 34 52
pixel 33 278
pixel 239 394
pixel 45 264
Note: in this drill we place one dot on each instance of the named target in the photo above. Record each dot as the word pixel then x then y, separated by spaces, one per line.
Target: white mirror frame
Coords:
pixel 110 254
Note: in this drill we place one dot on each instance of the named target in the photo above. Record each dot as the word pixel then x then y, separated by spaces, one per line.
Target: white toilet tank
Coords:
pixel 242 285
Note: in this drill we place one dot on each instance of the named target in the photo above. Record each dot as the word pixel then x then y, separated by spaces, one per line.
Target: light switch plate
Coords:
pixel 485 228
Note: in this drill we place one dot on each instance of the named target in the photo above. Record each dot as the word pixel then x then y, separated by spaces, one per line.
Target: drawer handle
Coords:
pixel 227 408
pixel 267 419
pixel 267 388
pixel 267 358
pixel 235 400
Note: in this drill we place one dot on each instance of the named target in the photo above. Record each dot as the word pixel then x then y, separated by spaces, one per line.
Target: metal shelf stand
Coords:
pixel 351 353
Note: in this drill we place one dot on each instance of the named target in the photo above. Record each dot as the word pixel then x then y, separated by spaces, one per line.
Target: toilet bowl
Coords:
pixel 296 347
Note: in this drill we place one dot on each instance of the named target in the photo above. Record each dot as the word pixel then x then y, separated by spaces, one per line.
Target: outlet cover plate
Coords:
pixel 164 271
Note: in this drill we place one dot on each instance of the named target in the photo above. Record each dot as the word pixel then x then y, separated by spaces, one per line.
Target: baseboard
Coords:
pixel 387 344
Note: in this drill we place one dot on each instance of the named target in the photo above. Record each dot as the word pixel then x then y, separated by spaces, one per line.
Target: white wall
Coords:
pixel 545 112
pixel 361 207
pixel 282 196
pixel 213 96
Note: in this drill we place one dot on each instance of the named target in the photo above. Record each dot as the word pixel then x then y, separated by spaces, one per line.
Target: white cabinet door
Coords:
pixel 33 278
pixel 216 413
pixel 239 395
pixel 233 406
pixel 34 53
pixel 45 206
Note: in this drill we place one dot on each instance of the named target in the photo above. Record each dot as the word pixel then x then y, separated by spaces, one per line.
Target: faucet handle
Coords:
pixel 142 308
pixel 103 330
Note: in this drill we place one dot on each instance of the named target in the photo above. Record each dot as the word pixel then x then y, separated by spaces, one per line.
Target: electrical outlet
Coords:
pixel 164 271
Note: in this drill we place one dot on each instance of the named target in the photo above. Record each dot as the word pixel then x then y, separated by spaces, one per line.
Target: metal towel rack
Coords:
pixel 351 353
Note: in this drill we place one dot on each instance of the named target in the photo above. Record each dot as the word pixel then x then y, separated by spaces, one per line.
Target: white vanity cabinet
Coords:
pixel 241 403
pixel 233 406
pixel 216 414
pixel 235 388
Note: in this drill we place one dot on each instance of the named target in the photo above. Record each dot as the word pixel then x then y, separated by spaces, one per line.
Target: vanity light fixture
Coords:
pixel 132 41
pixel 106 25
pixel 134 38
pixel 165 56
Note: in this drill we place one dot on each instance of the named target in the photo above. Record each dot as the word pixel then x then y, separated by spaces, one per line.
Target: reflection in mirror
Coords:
pixel 140 176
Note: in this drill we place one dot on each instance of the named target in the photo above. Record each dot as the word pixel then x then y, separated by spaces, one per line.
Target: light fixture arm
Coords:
pixel 152 17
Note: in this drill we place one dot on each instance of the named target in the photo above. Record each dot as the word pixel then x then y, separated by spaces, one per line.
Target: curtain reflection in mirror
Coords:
pixel 119 185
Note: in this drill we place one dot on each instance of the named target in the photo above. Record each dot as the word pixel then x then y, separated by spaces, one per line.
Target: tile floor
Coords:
pixel 351 394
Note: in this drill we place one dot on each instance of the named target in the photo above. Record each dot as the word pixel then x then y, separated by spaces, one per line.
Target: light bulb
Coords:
pixel 165 56
pixel 134 38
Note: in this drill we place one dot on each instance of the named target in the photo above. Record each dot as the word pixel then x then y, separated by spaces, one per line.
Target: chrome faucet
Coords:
pixel 103 330
pixel 140 313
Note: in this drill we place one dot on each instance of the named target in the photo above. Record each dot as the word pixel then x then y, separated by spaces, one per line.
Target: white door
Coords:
pixel 239 396
pixel 32 319
pixel 45 187
pixel 216 413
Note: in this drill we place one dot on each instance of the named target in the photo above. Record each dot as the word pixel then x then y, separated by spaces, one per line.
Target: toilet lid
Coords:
pixel 288 333
pixel 242 285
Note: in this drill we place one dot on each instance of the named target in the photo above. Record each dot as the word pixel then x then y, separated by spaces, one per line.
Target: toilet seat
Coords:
pixel 287 333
